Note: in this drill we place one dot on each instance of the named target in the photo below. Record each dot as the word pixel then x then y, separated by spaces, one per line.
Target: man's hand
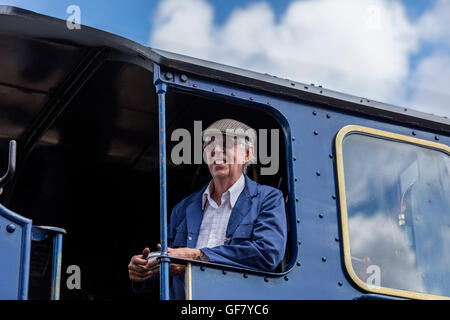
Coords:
pixel 137 268
pixel 186 253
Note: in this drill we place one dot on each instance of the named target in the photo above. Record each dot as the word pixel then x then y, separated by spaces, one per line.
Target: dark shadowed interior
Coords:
pixel 95 173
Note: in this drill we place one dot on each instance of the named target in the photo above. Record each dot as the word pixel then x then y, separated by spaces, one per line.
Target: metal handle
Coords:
pixel 11 164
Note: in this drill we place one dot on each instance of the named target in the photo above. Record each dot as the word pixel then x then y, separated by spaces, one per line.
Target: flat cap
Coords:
pixel 231 127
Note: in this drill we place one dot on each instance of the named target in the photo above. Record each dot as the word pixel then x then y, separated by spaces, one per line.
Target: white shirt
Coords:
pixel 215 218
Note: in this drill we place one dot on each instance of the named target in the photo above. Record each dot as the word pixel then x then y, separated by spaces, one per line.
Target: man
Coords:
pixel 233 220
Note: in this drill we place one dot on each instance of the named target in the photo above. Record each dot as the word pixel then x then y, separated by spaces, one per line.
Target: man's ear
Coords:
pixel 249 154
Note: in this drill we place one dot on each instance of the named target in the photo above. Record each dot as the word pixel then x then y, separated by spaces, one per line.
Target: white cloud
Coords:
pixel 432 80
pixel 184 27
pixel 435 24
pixel 360 47
pixel 431 77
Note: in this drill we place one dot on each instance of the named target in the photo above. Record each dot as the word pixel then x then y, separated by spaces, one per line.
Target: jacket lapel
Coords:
pixel 242 206
pixel 194 216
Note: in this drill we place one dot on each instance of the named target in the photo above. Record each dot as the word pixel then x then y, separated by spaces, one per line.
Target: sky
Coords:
pixel 393 51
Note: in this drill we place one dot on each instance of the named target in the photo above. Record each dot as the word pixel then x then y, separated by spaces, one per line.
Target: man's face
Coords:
pixel 226 156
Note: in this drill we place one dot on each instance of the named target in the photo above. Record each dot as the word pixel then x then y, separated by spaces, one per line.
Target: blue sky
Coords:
pixel 386 50
pixel 132 18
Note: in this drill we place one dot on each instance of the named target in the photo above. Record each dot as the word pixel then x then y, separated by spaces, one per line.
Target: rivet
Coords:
pixel 324 259
pixel 298 220
pixel 268 103
pixel 213 89
pixel 292 84
pixel 414 133
pixel 436 138
pixel 316 133
pixel 168 76
pixel 194 85
pixel 336 239
pixel 320 91
pixel 266 279
pixel 298 264
pixel 318 173
pixel 202 268
pixel 328 116
pixel 314 113
pixel 406 109
pixel 299 242
pixel 286 278
pixel 183 78
pixel 340 283
pixel 295 179
pixel 334 197
pixel 245 275
pixel 330 156
pixel 224 272
pixel 294 158
pixel 293 139
pixel 251 99
pixel 232 94
pixel 11 228
pixel 321 215
pixel 296 199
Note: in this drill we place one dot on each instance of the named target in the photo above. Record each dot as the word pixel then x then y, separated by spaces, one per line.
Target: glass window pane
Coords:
pixel 398 206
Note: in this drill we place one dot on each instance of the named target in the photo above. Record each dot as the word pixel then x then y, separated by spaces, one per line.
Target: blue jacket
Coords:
pixel 256 233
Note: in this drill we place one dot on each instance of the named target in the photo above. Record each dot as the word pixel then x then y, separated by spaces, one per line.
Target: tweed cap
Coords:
pixel 231 127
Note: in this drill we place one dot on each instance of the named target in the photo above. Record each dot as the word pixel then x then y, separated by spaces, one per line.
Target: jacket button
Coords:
pixel 190 238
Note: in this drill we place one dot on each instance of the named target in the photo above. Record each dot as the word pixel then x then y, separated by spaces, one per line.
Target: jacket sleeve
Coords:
pixel 264 247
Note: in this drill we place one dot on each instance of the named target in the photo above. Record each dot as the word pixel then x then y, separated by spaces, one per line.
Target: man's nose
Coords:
pixel 218 147
pixel 219 151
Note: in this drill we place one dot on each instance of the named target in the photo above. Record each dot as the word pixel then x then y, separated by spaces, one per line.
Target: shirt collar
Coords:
pixel 234 191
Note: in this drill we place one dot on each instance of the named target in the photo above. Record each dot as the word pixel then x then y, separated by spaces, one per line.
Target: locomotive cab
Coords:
pixel 365 184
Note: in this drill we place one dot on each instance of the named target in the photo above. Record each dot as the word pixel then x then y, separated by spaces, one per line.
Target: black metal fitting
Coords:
pixel 11 228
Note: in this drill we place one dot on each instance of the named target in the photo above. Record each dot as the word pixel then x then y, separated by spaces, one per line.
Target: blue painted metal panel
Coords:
pixel 15 246
pixel 56 265
pixel 317 270
pixel 40 233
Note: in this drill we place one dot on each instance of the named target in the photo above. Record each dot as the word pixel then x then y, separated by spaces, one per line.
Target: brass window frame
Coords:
pixel 343 204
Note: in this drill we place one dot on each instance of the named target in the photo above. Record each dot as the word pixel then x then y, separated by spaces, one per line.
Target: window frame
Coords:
pixel 285 132
pixel 343 132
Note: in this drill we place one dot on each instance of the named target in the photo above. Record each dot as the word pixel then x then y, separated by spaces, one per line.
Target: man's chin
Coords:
pixel 219 170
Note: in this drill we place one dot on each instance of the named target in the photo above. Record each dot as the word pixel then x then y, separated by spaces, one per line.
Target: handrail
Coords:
pixel 185 261
pixel 11 164
pixel 161 89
